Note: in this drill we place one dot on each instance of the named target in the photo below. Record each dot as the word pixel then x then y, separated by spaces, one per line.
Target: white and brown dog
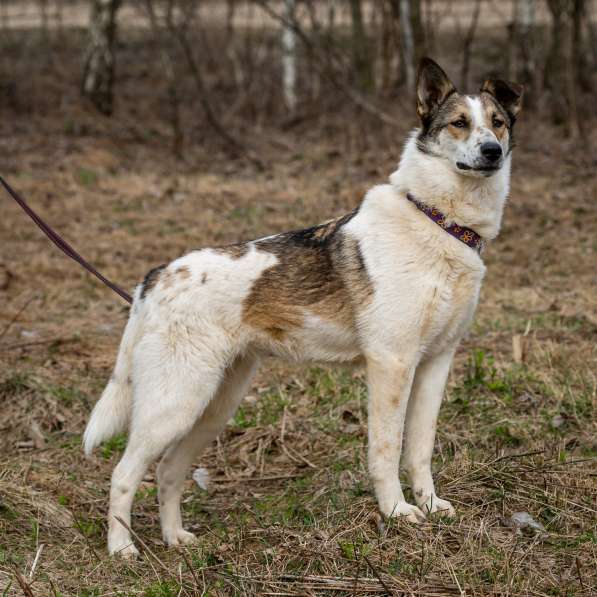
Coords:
pixel 394 284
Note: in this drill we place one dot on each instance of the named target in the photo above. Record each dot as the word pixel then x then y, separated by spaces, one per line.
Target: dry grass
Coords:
pixel 290 510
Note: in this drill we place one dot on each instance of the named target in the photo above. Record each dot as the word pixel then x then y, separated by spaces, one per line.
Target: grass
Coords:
pixel 272 522
pixel 290 510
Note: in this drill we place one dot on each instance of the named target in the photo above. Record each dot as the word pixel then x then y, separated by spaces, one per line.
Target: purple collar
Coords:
pixel 465 235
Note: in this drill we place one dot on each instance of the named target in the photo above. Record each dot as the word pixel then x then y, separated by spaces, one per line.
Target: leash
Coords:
pixel 61 243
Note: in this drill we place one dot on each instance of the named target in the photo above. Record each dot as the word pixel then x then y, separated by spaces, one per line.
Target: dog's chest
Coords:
pixel 447 305
pixel 420 303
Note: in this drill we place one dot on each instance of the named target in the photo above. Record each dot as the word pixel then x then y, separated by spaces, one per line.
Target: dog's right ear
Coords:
pixel 508 95
pixel 433 88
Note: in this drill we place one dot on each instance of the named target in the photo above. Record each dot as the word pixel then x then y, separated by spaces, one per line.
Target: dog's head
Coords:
pixel 472 132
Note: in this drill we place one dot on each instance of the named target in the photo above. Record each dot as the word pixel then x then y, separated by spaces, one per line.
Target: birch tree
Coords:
pixel 98 70
pixel 412 37
pixel 289 56
pixel 408 44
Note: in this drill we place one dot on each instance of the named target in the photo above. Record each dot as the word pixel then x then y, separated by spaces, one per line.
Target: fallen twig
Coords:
pixel 377 574
pixel 23 583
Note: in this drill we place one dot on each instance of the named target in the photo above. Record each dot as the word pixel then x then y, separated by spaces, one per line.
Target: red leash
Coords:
pixel 61 243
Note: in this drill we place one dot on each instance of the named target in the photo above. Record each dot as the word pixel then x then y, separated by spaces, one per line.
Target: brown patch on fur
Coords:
pixel 320 269
pixel 203 278
pixel 233 251
pixel 167 279
pixel 183 271
pixel 452 109
pixel 491 109
pixel 457 108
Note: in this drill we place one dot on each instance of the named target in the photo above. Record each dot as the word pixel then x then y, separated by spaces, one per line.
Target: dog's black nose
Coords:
pixel 491 151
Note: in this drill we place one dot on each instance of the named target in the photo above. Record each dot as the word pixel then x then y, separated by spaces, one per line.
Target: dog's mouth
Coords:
pixel 488 168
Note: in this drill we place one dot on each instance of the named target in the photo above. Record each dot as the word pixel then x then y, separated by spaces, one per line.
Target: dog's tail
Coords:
pixel 112 411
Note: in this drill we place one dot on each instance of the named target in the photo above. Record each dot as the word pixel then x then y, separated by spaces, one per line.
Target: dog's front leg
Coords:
pixel 390 379
pixel 421 419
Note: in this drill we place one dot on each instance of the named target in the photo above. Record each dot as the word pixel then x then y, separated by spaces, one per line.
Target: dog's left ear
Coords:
pixel 508 95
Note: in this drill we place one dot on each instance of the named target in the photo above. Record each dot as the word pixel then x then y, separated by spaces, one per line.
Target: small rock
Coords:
pixel 557 421
pixel 29 334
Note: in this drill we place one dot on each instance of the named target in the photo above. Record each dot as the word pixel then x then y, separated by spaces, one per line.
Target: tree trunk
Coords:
pixel 289 57
pixel 98 71
pixel 418 27
pixel 521 55
pixel 561 75
pixel 361 58
pixel 168 65
pixel 580 51
pixel 469 38
pixel 388 48
pixel 525 25
pixel 412 35
pixel 408 45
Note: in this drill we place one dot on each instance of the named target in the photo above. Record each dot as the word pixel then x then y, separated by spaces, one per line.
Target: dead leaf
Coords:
pixel 523 521
pixel 518 348
pixel 201 477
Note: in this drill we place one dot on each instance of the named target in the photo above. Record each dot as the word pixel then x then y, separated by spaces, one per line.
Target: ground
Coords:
pixel 290 510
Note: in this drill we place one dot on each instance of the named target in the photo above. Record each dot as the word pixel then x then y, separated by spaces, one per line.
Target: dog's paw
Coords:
pixel 179 537
pixel 127 552
pixel 406 511
pixel 431 504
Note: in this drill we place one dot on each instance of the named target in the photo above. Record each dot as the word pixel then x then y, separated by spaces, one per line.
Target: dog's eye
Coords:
pixel 497 123
pixel 460 123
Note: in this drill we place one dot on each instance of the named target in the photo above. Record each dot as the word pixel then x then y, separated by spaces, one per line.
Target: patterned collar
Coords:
pixel 466 235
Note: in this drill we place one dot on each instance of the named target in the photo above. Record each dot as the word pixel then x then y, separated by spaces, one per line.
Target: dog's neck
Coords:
pixel 476 203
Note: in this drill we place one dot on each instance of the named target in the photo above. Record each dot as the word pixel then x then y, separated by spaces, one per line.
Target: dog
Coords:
pixel 393 284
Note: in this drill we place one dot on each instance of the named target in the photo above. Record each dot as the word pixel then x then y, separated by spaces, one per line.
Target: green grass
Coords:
pixel 86 177
pixel 267 410
pixel 114 445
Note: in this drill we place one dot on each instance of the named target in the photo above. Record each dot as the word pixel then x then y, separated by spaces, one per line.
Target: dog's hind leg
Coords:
pixel 169 396
pixel 177 460
pixel 421 420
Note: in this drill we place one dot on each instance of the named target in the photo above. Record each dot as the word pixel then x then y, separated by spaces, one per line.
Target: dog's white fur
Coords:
pixel 187 356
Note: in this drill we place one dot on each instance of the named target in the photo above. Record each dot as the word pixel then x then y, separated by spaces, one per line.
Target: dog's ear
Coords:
pixel 433 87
pixel 508 95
